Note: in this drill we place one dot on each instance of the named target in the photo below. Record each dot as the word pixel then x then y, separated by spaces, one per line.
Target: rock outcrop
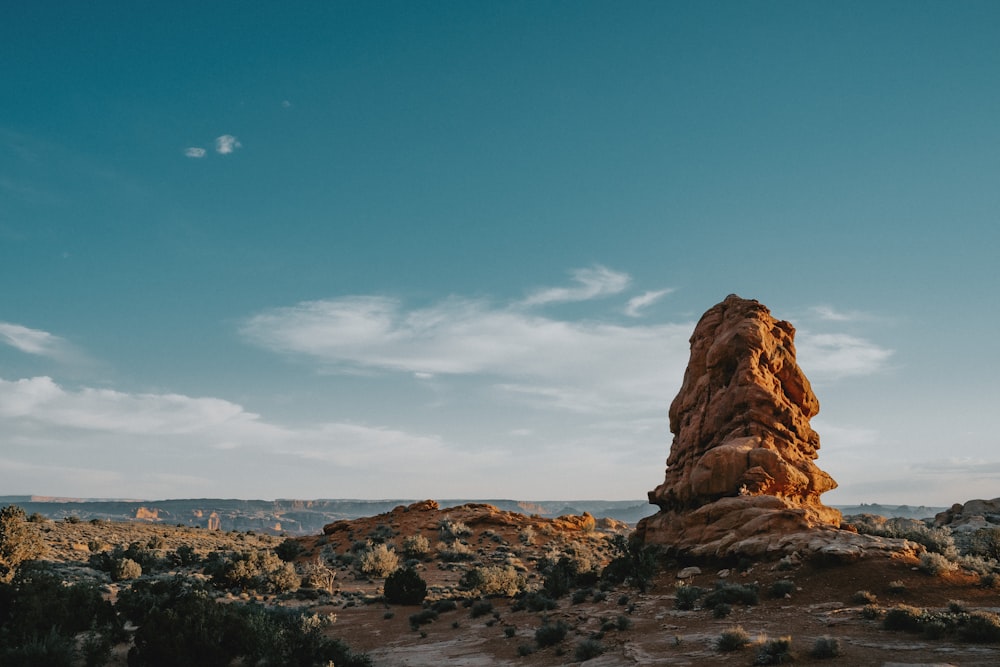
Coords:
pixel 741 477
pixel 973 515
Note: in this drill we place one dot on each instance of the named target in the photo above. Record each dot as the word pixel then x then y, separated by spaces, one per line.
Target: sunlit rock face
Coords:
pixel 741 472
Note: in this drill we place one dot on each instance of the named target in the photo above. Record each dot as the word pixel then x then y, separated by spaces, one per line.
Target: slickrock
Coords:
pixel 741 477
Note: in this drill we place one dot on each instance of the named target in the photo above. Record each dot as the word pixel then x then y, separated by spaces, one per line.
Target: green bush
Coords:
pixel 549 634
pixel 259 571
pixel 534 601
pixel 289 550
pixel 686 597
pixel 423 617
pixel 588 649
pixel 405 586
pixel 733 639
pixel 982 627
pixel 40 616
pixel 481 608
pixel 634 563
pixel 781 588
pixel 775 652
pixel 903 617
pixel 826 647
pixel 746 594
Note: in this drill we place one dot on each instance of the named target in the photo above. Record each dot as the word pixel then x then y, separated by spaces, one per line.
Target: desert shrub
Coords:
pixel 52 649
pixel 733 639
pixel 318 575
pixel 725 592
pixel 19 541
pixel 903 617
pixel 985 543
pixel 481 608
pixel 722 610
pixel 259 571
pixel 981 627
pixel 588 649
pixel 559 576
pixel 990 580
pixel 156 542
pixel 937 540
pixel 182 625
pixel 289 550
pixel 826 647
pixel 686 597
pixel 72 518
pixel 534 601
pixel 634 563
pixel 405 586
pixel 452 530
pixel 527 535
pixel 781 588
pixel 442 606
pixel 423 617
pixel 416 546
pixel 123 569
pixel 184 555
pixel 864 597
pixel 871 612
pixel 524 650
pixel 977 564
pixel 934 629
pixel 454 552
pixel 580 596
pixel 509 631
pixel 379 560
pixel 896 587
pixel 493 580
pixel 381 534
pixel 775 652
pixel 549 634
pixel 935 564
pixel 40 616
pixel 956 607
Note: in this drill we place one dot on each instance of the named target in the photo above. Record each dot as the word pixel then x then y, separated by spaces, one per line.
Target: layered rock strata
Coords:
pixel 741 477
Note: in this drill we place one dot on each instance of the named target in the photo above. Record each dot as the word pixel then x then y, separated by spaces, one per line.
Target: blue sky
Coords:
pixel 407 250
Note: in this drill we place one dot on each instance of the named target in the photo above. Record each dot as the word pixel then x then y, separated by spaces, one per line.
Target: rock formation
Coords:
pixel 741 477
pixel 973 515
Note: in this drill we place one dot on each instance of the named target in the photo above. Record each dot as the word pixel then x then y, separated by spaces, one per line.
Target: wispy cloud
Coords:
pixel 837 355
pixel 226 144
pixel 594 282
pixel 36 342
pixel 194 152
pixel 830 314
pixel 582 366
pixel 637 304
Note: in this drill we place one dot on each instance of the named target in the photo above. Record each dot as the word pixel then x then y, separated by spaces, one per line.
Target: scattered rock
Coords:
pixel 689 572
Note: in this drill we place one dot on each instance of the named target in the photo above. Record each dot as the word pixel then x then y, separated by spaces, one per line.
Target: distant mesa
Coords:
pixel 741 477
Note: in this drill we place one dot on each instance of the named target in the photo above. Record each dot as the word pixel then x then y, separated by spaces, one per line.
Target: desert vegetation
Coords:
pixel 105 593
